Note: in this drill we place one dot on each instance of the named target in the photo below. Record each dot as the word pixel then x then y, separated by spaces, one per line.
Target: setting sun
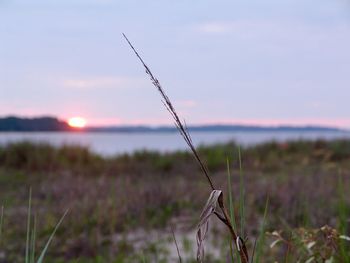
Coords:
pixel 77 122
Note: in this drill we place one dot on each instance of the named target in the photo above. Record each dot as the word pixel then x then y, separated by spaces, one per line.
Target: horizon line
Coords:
pixel 114 122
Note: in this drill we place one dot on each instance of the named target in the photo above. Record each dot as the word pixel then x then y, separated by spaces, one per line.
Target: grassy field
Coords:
pixel 122 209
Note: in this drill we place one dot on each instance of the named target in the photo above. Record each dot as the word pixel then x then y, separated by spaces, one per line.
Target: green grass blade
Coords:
pixel 1 221
pixel 233 252
pixel 261 237
pixel 32 247
pixel 231 249
pixel 241 195
pixel 229 190
pixel 343 214
pixel 28 226
pixel 143 257
pixel 43 252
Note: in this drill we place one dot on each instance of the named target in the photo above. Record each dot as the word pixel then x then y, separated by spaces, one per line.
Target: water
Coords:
pixel 118 143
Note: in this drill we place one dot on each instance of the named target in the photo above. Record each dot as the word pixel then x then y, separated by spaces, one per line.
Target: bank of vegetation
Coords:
pixel 111 199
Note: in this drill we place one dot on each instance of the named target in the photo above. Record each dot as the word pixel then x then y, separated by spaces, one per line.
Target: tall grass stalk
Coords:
pixel 224 216
pixel 32 240
pixel 182 128
pixel 241 194
pixel 1 221
pixel 27 256
pixel 233 253
pixel 230 190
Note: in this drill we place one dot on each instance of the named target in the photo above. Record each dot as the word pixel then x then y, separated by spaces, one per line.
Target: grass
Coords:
pixel 30 243
pixel 1 221
pixel 181 126
pixel 119 195
pixel 44 251
pixel 233 253
pixel 343 218
pixel 28 256
pixel 241 195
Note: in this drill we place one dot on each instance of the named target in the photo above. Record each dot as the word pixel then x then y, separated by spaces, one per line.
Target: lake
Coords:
pixel 117 143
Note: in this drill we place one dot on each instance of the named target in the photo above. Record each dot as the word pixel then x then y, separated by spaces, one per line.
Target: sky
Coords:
pixel 266 62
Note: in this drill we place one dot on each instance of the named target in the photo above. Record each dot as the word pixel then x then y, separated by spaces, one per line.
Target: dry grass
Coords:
pixel 224 215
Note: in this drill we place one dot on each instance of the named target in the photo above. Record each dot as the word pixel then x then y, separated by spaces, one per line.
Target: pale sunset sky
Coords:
pixel 265 62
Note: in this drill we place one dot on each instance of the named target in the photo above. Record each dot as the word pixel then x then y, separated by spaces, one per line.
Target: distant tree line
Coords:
pixel 32 124
pixel 13 123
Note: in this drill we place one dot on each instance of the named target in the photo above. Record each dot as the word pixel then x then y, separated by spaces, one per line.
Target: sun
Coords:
pixel 77 122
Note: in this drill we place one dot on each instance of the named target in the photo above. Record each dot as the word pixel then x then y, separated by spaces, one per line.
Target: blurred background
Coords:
pixel 83 127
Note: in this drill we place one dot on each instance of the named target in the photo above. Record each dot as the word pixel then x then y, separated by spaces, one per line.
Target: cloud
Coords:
pixel 102 82
pixel 214 27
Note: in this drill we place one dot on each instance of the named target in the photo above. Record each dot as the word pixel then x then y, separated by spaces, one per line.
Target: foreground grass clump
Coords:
pixel 115 204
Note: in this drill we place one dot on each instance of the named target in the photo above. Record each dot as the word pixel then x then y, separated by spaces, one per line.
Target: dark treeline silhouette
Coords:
pixel 12 123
